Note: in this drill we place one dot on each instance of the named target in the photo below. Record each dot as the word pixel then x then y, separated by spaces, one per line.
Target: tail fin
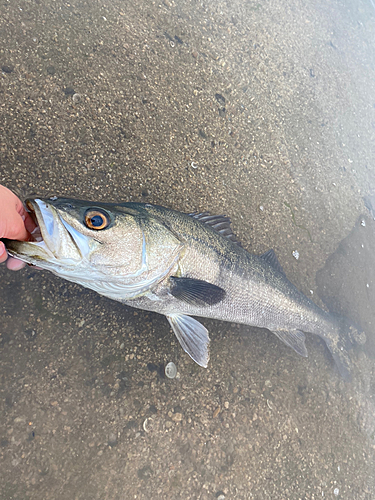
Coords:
pixel 341 358
pixel 340 345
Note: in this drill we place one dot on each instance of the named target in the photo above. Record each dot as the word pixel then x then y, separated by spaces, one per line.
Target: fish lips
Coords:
pixel 54 238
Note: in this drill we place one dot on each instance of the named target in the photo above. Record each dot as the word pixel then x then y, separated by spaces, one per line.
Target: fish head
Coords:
pixel 118 250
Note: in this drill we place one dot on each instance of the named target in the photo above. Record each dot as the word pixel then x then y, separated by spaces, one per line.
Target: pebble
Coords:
pixel 7 69
pixel 220 99
pixel 295 254
pixel 269 404
pixel 177 417
pixel 216 412
pixel 170 370
pixel 112 439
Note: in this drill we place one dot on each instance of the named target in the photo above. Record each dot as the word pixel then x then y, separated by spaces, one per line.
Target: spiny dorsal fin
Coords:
pixel 220 223
pixel 272 259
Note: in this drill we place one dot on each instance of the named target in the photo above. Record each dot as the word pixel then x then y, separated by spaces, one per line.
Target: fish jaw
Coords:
pixel 56 243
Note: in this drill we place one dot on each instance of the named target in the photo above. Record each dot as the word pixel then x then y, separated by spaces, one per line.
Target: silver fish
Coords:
pixel 180 265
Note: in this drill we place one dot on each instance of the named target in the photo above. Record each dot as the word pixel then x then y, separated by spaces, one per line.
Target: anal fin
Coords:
pixel 294 339
pixel 193 337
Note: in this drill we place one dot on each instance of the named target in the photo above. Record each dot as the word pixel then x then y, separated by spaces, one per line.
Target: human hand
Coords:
pixel 15 224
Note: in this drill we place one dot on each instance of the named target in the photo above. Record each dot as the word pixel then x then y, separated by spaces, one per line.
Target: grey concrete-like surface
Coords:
pixel 262 110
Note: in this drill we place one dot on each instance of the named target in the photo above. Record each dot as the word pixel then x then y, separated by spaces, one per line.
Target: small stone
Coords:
pixel 69 91
pixel 7 69
pixel 216 412
pixel 168 424
pixel 295 254
pixel 51 70
pixel 177 417
pixel 145 473
pixel 226 405
pixel 220 99
pixel 268 383
pixel 170 370
pixel 336 491
pixel 112 439
pixel 30 333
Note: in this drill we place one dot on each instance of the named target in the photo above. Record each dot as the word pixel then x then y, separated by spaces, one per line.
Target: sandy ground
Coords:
pixel 264 111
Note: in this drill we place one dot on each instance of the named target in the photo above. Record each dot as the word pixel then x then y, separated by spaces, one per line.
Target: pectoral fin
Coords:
pixel 294 339
pixel 193 337
pixel 196 292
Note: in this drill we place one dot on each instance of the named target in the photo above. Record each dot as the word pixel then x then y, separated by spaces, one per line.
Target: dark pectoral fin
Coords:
pixel 196 292
pixel 294 339
pixel 193 337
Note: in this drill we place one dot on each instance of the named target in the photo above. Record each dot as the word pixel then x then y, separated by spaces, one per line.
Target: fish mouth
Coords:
pixel 53 240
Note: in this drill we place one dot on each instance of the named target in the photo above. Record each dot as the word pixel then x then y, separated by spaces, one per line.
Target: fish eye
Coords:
pixel 96 219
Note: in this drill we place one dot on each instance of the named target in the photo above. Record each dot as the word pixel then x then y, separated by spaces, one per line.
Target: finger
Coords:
pixel 3 253
pixel 15 264
pixel 19 231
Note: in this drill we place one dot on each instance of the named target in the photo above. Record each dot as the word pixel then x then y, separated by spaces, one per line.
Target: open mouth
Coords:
pixel 47 232
pixel 36 234
pixel 53 239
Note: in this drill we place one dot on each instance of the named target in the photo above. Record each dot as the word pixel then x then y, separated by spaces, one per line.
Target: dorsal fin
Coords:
pixel 220 223
pixel 272 259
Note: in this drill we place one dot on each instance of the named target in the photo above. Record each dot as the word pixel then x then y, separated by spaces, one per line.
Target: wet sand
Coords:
pixel 263 111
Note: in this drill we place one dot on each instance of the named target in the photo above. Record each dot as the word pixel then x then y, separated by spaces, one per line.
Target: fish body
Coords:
pixel 180 265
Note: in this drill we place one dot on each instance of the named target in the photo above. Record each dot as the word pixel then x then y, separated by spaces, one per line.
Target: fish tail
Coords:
pixel 339 345
pixel 341 357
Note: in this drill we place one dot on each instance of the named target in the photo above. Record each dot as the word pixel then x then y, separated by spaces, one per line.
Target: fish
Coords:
pixel 184 266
